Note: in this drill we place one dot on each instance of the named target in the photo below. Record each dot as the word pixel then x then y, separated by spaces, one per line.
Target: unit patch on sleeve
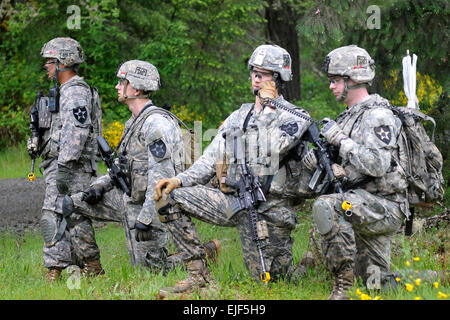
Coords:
pixel 80 114
pixel 290 128
pixel 383 133
pixel 158 149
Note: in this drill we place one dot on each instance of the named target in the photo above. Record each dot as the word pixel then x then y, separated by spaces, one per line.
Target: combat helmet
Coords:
pixel 66 50
pixel 273 58
pixel 141 75
pixel 352 62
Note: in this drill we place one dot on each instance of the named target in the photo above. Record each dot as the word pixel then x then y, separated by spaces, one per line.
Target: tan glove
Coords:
pixel 338 171
pixel 32 145
pixel 332 132
pixel 310 160
pixel 169 184
pixel 267 90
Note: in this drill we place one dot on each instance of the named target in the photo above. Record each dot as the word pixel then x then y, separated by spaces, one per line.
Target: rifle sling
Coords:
pixel 283 162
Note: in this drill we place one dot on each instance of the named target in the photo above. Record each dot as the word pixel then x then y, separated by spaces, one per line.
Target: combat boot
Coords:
pixel 54 274
pixel 198 278
pixel 212 250
pixel 342 282
pixel 93 268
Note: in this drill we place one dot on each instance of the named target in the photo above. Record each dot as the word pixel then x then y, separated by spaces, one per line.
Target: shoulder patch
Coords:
pixel 383 133
pixel 80 113
pixel 290 128
pixel 158 149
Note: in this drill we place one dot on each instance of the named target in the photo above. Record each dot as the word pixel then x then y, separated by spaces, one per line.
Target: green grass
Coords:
pixel 22 274
pixel 16 163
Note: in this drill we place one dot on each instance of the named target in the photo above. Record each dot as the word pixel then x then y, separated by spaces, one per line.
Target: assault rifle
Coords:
pixel 250 195
pixel 35 133
pixel 117 176
pixel 323 154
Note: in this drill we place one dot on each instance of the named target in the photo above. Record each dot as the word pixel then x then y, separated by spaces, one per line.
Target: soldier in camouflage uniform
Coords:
pixel 357 242
pixel 68 146
pixel 151 148
pixel 269 135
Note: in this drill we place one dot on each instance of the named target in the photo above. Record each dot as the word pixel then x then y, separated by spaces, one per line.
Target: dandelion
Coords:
pixel 377 298
pixel 365 297
pixel 409 287
pixel 358 292
pixel 442 295
pixel 417 298
pixel 397 279
pixel 418 281
pixel 436 284
pixel 407 263
pixel 416 259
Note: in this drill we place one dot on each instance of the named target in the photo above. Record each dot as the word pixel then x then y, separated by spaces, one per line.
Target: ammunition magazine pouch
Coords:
pixel 167 217
pixel 167 209
pixel 261 230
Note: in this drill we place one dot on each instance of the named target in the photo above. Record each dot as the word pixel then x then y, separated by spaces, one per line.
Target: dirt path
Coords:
pixel 20 204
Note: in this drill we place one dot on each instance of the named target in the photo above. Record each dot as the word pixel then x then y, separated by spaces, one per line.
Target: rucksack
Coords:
pixel 419 157
pixel 187 135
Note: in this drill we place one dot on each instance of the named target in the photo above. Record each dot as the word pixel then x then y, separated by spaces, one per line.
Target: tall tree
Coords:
pixel 281 30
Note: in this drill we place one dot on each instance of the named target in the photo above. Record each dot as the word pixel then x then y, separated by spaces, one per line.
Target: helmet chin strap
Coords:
pixel 125 97
pixel 58 70
pixel 347 87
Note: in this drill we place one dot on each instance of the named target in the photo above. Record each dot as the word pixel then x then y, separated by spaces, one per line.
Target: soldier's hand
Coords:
pixel 32 145
pixel 267 90
pixel 169 184
pixel 338 171
pixel 62 179
pixel 142 232
pixel 310 160
pixel 92 195
pixel 332 132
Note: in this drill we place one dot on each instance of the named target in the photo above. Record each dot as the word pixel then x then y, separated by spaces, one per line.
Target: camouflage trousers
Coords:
pixel 361 241
pixel 59 253
pixel 212 206
pixel 115 206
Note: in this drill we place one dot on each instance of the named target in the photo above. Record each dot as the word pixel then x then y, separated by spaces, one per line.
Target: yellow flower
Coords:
pixel 409 287
pixel 365 297
pixel 407 263
pixel 442 295
pixel 418 281
pixel 417 298
pixel 416 259
pixel 377 298
pixel 358 292
pixel 436 284
pixel 397 279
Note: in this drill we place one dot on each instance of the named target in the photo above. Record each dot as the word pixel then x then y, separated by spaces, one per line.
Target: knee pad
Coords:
pixel 67 206
pixel 323 215
pixel 49 228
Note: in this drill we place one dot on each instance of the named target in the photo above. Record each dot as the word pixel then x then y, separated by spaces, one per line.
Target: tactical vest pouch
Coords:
pixel 390 183
pixel 221 173
pixel 45 117
pixel 139 180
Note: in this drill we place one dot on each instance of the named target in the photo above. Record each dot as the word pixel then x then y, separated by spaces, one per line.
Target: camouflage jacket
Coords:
pixel 152 149
pixel 371 151
pixel 69 137
pixel 268 139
